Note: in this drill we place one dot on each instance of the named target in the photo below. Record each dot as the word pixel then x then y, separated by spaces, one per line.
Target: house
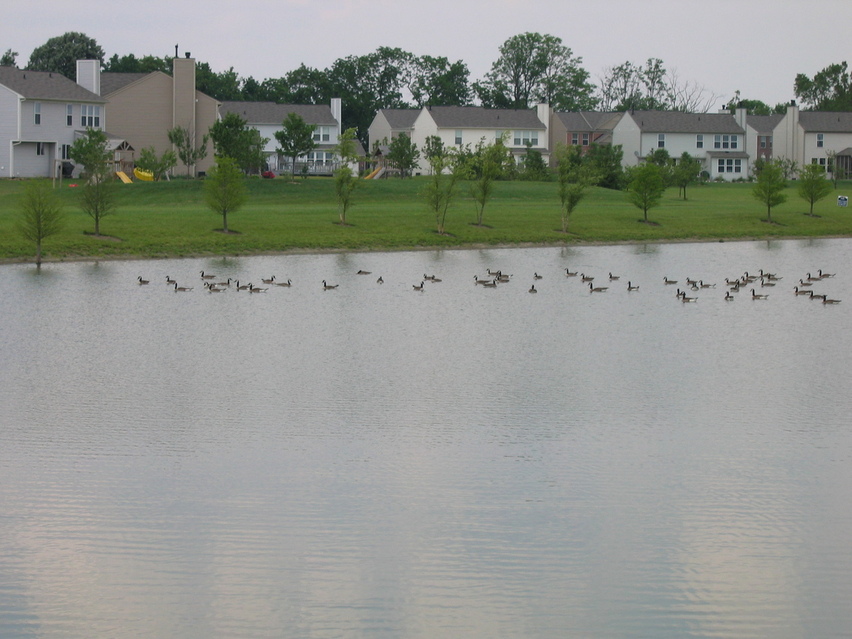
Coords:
pixel 760 133
pixel 143 107
pixel 388 124
pixel 815 137
pixel 268 118
pixel 582 128
pixel 717 140
pixel 41 113
pixel 467 125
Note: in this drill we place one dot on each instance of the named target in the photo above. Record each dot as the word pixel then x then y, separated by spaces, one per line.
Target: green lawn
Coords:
pixel 169 219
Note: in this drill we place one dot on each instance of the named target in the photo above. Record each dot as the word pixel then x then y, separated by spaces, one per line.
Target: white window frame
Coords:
pixel 322 134
pixel 69 115
pixel 726 141
pixel 520 138
pixel 699 141
pixel 458 137
pixel 37 113
pixel 66 151
pixel 820 140
pixel 585 139
pixel 729 165
pixel 90 116
pixel 661 140
pixel 575 138
pixel 41 148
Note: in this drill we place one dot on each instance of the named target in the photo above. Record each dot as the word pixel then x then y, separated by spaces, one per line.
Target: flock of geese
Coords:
pixel 492 279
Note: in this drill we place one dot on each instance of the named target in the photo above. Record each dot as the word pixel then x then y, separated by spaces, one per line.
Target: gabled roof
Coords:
pixel 826 121
pixel 272 113
pixel 112 82
pixel 764 124
pixel 588 120
pixel 400 118
pixel 44 85
pixel 469 117
pixel 679 122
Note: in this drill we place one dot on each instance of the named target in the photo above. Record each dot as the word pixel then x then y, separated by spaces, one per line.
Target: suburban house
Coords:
pixel 41 114
pixel 717 140
pixel 143 107
pixel 760 130
pixel 582 128
pixel 815 137
pixel 268 118
pixel 461 126
pixel 388 124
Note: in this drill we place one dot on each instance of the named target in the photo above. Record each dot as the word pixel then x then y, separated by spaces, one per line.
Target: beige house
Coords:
pixel 815 137
pixel 143 107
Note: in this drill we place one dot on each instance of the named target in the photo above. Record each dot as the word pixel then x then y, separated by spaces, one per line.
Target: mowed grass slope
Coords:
pixel 170 219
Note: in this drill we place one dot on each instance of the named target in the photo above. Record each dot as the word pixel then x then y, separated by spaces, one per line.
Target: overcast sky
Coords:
pixel 756 46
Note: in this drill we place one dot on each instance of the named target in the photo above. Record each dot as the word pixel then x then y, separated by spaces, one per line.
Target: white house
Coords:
pixel 389 123
pixel 268 118
pixel 815 137
pixel 717 140
pixel 41 113
pixel 461 126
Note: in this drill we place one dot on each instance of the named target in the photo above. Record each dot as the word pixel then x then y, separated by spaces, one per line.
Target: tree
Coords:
pixel 604 161
pixel 232 138
pixel 9 58
pixel 187 151
pixel 441 187
pixel 632 86
pixel 225 189
pixel 533 166
pixel 573 178
pixel 829 89
pixel 296 138
pixel 752 107
pixel 159 166
pixel 685 172
pixel 403 154
pixel 41 215
pixel 646 187
pixel 131 64
pixel 812 185
pixel 486 165
pixel 432 149
pixel 60 54
pixel 770 186
pixel 345 180
pixel 662 159
pixel 536 68
pixel 98 194
pixel 221 86
pixel 434 81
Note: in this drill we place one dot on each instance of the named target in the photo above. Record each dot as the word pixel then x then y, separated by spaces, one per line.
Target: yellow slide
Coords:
pixel 373 174
pixel 123 177
pixel 145 176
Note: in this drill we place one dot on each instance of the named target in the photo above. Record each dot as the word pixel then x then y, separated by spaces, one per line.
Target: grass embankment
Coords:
pixel 170 219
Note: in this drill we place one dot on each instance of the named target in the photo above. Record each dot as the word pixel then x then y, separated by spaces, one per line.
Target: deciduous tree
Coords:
pixel 769 187
pixel 9 58
pixel 60 54
pixel 295 139
pixel 403 154
pixel 345 180
pixel 646 187
pixel 436 81
pixel 148 160
pixel 232 138
pixel 829 89
pixel 440 188
pixel 573 176
pixel 40 215
pixel 812 185
pixel 97 197
pixel 685 172
pixel 225 189
pixel 187 150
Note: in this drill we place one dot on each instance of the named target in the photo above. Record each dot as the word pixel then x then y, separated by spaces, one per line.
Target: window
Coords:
pixel 37 114
pixel 522 138
pixel 575 138
pixel 730 165
pixel 66 151
pixel 821 161
pixel 725 141
pixel 820 139
pixel 458 137
pixel 90 115
pixel 322 134
pixel 699 141
pixel 661 140
pixel 585 139
pixel 320 157
pixel 498 136
pixel 69 115
pixel 40 148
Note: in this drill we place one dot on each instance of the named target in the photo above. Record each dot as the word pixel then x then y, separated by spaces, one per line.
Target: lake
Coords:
pixel 461 461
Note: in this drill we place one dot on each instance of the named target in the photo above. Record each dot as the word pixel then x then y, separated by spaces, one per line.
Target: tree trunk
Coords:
pixel 225 222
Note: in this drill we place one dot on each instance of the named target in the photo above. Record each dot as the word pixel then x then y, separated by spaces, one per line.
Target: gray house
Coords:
pixel 41 114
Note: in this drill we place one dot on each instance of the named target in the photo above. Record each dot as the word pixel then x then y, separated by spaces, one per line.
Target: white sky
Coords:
pixel 756 46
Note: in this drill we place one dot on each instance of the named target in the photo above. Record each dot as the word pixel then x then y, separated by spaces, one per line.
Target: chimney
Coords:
pixel 89 75
pixel 183 83
pixel 337 113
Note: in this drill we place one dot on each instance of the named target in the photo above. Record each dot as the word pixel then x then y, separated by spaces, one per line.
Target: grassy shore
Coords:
pixel 170 219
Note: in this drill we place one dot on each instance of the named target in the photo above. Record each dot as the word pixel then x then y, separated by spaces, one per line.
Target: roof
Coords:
pixel 272 113
pixel 45 85
pixel 826 121
pixel 588 120
pixel 764 124
pixel 679 122
pixel 112 82
pixel 400 118
pixel 469 117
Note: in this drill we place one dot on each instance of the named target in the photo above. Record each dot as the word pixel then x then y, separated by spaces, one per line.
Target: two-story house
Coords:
pixel 41 114
pixel 815 137
pixel 582 128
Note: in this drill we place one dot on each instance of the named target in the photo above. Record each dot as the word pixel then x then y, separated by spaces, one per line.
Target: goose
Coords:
pixel 800 292
pixel 225 283
pixel 749 278
pixel 502 279
pixel 479 281
pixel 418 287
pixel 827 300
pixel 765 282
pixel 824 275
pixel 532 289
pixel 755 296
pixel 141 281
pixel 701 284
pixel 815 296
pixel 360 272
pixel 586 278
pixel 691 282
pixel 271 280
pixel 731 282
pixel 207 276
pixel 169 280
pixel 328 287
pixel 431 278
pixel 287 283
pixel 243 287
pixel 490 283
pixel 256 289
pixel 813 279
pixel 630 286
pixel 182 289
pixel 684 298
pixel 769 276
pixel 694 287
pixel 213 288
pixel 613 278
pixel 804 283
pixel 536 276
pixel 380 280
pixel 597 289
pixel 570 273
pixel 666 280
pixel 735 288
pixel 729 297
